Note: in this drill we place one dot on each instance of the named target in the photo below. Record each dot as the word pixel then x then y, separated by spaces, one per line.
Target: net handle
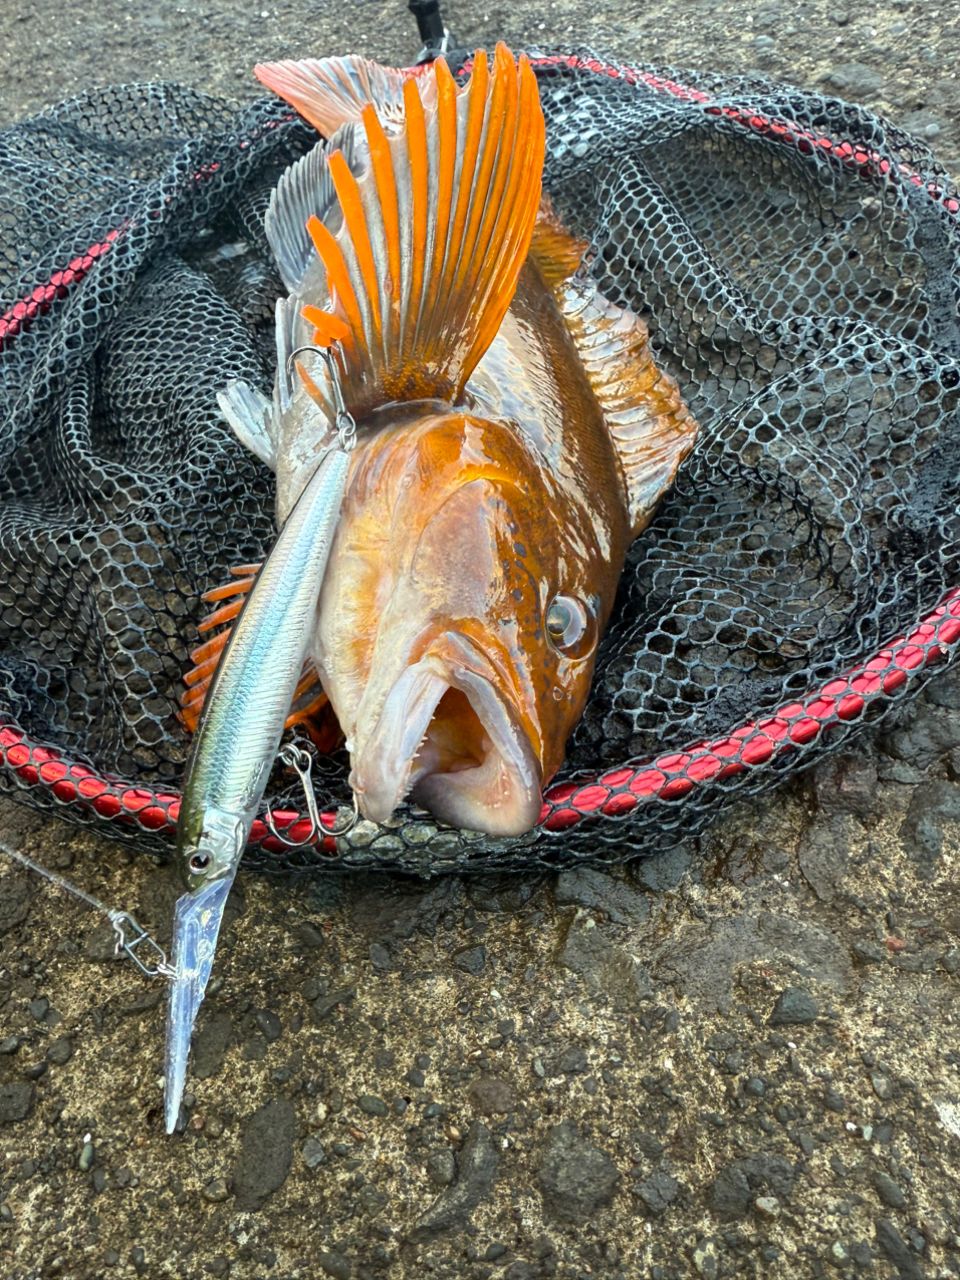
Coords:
pixel 430 22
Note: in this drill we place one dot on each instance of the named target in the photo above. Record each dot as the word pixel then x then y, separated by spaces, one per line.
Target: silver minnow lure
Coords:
pixel 238 739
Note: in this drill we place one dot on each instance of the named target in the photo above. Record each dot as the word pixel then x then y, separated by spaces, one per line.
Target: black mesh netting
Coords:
pixel 796 259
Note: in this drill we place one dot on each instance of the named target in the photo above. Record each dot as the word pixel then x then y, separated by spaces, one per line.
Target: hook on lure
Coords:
pixel 301 762
pixel 344 423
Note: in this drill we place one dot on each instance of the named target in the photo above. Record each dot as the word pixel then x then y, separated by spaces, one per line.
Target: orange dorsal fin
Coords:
pixel 556 251
pixel 423 242
pixel 330 92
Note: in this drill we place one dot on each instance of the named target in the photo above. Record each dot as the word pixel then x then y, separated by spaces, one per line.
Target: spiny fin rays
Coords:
pixel 425 243
pixel 309 708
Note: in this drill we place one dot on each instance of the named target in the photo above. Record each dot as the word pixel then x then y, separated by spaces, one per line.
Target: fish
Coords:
pixel 515 435
pixel 236 745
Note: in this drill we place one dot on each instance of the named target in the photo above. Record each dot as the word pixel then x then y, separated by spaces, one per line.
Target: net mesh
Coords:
pixel 796 260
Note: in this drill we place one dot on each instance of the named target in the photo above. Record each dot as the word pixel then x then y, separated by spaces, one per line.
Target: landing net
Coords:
pixel 795 258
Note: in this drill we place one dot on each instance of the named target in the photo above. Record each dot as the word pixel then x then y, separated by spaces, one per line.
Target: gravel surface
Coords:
pixel 736 1059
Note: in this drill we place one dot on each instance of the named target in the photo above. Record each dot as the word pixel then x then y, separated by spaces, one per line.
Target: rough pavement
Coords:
pixel 737 1059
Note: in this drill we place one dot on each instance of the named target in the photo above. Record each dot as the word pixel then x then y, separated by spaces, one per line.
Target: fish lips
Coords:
pixel 499 795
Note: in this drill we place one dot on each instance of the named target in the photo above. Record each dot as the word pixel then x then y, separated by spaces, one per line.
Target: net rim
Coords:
pixel 614 792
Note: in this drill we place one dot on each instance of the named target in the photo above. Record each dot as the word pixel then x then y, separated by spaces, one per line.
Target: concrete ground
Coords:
pixel 737 1059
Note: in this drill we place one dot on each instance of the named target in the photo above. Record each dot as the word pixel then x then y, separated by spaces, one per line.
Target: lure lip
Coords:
pixel 196 927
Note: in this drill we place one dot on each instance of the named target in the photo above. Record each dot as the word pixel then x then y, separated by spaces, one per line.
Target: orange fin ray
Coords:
pixel 304 191
pixel 431 222
pixel 202 669
pixel 208 649
pixel 226 613
pixel 309 708
pixel 231 588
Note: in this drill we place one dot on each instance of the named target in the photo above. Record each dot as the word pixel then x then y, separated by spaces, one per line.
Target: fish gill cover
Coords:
pixel 796 260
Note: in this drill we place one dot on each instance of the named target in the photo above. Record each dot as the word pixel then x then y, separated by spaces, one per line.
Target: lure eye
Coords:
pixel 571 627
pixel 200 862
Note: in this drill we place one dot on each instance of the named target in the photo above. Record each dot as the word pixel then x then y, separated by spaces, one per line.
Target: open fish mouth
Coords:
pixel 449 740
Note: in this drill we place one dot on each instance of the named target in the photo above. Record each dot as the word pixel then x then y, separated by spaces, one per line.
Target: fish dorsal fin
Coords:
pixel 556 251
pixel 422 249
pixel 650 425
pixel 305 190
pixel 329 92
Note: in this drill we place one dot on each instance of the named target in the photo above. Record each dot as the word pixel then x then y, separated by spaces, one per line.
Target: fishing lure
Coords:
pixel 239 734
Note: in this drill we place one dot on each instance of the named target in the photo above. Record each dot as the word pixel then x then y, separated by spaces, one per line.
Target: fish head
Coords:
pixel 459 622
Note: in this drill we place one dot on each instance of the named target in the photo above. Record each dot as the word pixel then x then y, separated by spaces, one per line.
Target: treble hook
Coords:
pixel 302 764
pixel 345 423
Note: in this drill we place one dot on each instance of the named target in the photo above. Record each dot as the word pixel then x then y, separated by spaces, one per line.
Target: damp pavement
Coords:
pixel 740 1058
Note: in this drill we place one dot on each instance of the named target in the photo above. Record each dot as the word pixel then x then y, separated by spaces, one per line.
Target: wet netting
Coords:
pixel 796 260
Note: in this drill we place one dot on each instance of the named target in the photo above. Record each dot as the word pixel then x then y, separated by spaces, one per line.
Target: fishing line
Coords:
pixel 130 933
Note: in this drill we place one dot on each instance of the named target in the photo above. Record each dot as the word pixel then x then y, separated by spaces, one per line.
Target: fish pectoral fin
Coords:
pixel 423 245
pixel 330 92
pixel 650 425
pixel 651 428
pixel 206 657
pixel 556 251
pixel 310 706
pixel 247 411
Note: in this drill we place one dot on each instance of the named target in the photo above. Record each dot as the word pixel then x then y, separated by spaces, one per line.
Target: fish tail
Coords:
pixel 331 92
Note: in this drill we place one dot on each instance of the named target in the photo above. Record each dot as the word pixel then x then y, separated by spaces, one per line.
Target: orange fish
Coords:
pixel 514 436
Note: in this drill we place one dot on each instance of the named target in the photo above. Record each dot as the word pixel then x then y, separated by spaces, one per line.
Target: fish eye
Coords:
pixel 571 626
pixel 200 862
